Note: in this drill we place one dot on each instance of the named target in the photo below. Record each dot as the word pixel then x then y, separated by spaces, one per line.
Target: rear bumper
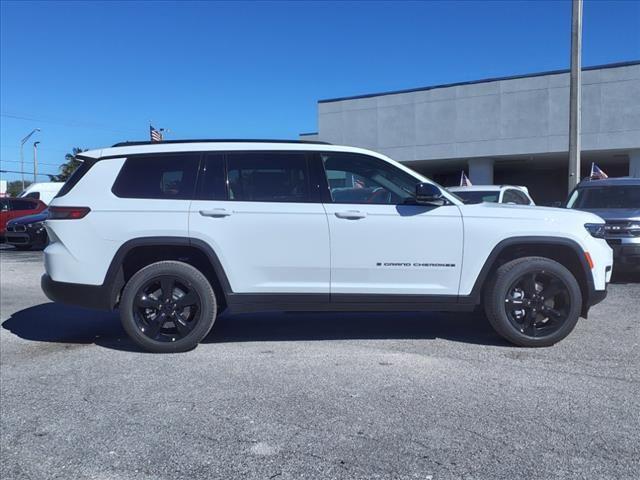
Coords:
pixel 87 296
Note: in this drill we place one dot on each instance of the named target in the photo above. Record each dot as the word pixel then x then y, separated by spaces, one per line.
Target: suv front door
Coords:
pixel 262 215
pixel 381 243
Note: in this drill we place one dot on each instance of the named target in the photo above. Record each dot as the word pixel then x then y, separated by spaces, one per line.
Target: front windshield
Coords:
pixel 478 196
pixel 627 196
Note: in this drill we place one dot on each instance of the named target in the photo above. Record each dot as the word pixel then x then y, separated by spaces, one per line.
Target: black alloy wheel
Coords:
pixel 167 308
pixel 538 303
pixel 533 301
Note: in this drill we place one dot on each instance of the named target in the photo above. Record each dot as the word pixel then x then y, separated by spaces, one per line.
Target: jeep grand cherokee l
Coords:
pixel 172 233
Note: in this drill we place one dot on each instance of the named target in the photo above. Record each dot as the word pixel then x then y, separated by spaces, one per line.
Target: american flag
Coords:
pixel 464 180
pixel 156 135
pixel 596 173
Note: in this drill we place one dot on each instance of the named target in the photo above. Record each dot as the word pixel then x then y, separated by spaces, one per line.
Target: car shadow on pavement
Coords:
pixel 57 323
pixel 278 326
pixel 52 322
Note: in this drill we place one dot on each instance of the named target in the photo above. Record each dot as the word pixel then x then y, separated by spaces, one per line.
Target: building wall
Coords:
pixel 520 116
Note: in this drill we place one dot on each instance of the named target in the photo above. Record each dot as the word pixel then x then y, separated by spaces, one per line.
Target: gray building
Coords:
pixel 501 130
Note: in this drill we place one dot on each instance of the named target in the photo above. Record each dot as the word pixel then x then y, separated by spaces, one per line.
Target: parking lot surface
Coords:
pixel 284 396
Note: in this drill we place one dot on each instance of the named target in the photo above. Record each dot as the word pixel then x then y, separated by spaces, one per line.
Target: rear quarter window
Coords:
pixel 75 177
pixel 170 177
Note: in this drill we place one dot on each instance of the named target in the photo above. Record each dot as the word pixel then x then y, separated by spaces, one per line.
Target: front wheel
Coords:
pixel 168 307
pixel 533 302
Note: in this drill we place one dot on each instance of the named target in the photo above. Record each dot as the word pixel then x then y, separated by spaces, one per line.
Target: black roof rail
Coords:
pixel 217 140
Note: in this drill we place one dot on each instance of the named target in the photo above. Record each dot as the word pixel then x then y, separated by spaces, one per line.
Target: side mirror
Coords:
pixel 428 193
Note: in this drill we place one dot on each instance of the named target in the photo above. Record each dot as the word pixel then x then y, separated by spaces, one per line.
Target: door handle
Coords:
pixel 351 214
pixel 215 213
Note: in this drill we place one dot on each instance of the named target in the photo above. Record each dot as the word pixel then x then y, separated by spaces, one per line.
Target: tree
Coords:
pixel 68 167
pixel 14 187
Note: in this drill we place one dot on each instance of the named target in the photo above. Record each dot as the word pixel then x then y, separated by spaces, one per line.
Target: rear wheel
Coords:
pixel 168 307
pixel 533 302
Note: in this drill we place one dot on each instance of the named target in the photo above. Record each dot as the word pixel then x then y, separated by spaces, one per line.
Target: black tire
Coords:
pixel 533 302
pixel 23 248
pixel 157 290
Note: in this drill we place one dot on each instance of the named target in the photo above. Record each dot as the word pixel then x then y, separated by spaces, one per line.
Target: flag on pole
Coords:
pixel 597 173
pixel 156 135
pixel 464 180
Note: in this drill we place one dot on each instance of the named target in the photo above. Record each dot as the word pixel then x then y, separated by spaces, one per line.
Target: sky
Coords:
pixel 90 74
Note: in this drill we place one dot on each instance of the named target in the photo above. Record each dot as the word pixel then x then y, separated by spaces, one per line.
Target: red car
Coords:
pixel 11 208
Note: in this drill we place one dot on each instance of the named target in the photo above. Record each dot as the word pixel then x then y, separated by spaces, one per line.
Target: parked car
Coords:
pixel 511 194
pixel 44 191
pixel 617 201
pixel 28 232
pixel 11 208
pixel 172 233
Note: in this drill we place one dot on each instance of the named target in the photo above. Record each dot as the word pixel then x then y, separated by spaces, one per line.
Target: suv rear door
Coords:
pixel 382 245
pixel 261 214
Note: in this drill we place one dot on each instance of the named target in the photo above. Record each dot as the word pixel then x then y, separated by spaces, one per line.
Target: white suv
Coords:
pixel 511 194
pixel 172 233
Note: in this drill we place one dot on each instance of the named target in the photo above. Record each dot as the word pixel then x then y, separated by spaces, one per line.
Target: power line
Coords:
pixel 68 123
pixel 39 163
pixel 39 174
pixel 59 150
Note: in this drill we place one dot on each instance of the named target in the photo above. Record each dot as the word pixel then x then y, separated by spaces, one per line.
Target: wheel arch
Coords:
pixel 139 252
pixel 565 251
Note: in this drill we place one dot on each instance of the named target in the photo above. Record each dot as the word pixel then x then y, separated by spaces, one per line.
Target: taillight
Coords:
pixel 68 213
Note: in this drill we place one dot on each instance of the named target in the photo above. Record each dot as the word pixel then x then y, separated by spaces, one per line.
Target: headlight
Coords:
pixel 596 230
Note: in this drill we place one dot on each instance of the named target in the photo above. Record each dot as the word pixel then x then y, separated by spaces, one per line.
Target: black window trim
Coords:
pixel 318 185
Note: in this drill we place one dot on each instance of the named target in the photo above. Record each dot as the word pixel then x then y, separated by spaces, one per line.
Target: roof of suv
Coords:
pixel 609 182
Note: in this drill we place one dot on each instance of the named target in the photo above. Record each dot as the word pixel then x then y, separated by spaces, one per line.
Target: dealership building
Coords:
pixel 512 130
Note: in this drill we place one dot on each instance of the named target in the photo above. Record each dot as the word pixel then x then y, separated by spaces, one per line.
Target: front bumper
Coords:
pixel 626 252
pixel 20 235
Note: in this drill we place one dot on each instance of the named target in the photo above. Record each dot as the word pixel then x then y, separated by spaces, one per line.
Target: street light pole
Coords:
pixel 22 142
pixel 35 161
pixel 575 95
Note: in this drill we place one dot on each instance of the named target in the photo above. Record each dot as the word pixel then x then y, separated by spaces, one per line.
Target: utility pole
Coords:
pixel 22 142
pixel 35 161
pixel 575 94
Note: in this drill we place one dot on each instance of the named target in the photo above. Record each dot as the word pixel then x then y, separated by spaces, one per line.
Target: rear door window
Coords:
pixel 268 177
pixel 170 177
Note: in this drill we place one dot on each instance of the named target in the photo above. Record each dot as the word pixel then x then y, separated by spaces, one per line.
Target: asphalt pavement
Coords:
pixel 282 396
